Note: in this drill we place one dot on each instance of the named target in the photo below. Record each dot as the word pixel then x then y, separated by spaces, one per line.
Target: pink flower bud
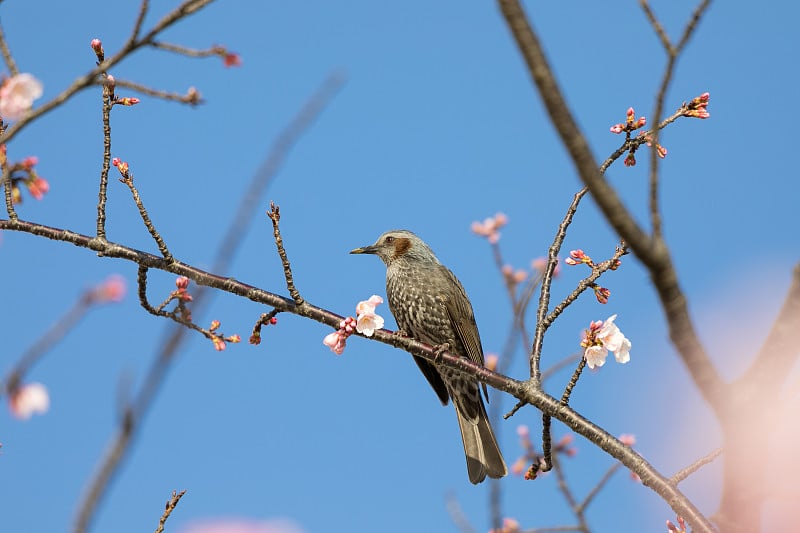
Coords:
pixel 111 290
pixel 231 59
pixel 182 282
pixel 127 101
pixel 630 160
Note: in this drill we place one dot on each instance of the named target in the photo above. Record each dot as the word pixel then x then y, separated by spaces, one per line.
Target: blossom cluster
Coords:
pixel 697 107
pixel 579 257
pixel 680 528
pixel 17 95
pixel 219 340
pixel 111 290
pixel 631 124
pixel 490 227
pixel 601 338
pixel 366 322
pixel 510 525
pixel 29 399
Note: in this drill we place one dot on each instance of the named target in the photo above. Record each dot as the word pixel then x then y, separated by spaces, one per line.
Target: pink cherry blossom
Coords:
pixel 17 95
pixel 614 341
pixel 367 320
pixel 335 341
pixel 595 356
pixel 28 400
pixel 110 290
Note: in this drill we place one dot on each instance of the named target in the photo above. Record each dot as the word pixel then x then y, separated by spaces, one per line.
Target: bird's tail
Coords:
pixel 480 446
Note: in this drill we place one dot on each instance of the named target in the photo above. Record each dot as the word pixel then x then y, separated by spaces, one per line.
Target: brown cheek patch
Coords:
pixel 401 246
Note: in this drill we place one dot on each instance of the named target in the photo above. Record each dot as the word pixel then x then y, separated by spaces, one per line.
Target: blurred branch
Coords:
pixel 457 515
pixel 52 336
pixel 673 52
pixel 782 346
pixel 6 52
pixel 694 467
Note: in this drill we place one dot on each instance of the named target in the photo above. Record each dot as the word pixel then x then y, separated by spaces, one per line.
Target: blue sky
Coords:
pixel 436 126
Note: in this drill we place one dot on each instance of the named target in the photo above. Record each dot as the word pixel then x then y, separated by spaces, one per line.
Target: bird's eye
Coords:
pixel 389 239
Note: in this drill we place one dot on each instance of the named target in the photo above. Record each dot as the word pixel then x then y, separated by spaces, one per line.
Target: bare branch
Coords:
pixel 6 52
pixel 171 504
pixel 782 346
pixel 547 280
pixel 673 53
pixel 694 467
pixel 274 214
pixel 127 179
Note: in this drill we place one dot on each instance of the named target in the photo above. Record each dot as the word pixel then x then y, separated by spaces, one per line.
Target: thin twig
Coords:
pixel 137 26
pixel 274 214
pixel 597 271
pixel 563 487
pixel 599 486
pixel 192 96
pixel 457 515
pixel 673 53
pixel 519 405
pixel 694 467
pixel 559 365
pixel 187 51
pixel 7 57
pixel 102 195
pixel 547 280
pixel 8 187
pixel 127 179
pixel 546 438
pixel 51 337
pixel 171 504
pixel 659 29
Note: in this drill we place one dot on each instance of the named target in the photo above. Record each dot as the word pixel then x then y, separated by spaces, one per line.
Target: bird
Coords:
pixel 430 305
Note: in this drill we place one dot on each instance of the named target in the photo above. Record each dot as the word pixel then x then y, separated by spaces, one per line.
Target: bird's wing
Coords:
pixel 462 318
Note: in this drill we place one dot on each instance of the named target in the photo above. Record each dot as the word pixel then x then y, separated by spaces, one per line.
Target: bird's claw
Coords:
pixel 438 351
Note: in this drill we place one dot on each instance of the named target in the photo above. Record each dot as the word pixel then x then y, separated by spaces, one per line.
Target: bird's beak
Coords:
pixel 365 250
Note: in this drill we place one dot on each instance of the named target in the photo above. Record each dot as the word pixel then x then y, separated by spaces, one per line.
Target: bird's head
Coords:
pixel 399 245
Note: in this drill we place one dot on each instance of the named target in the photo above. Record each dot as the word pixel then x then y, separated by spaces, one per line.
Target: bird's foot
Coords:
pixel 438 351
pixel 401 333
